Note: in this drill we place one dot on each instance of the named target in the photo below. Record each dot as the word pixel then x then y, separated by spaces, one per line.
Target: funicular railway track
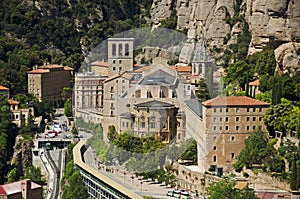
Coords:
pixel 54 193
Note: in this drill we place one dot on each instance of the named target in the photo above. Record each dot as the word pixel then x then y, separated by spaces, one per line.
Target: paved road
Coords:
pixel 137 185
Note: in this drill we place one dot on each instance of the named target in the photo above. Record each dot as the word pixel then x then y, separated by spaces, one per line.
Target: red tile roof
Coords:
pixel 3 88
pixel 254 83
pixel 51 66
pixel 182 68
pixel 68 68
pixel 234 101
pixel 15 187
pixel 2 191
pixel 13 102
pixel 39 71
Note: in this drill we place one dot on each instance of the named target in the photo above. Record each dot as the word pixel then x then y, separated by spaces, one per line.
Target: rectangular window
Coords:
pixel 259 119
pixel 215 110
pixel 220 110
pixel 215 128
pixel 247 109
pixel 260 109
pixel 152 124
pixel 248 128
pixel 253 109
pixel 226 128
pixel 237 128
pixel 237 119
pixel 254 127
pixel 227 110
pixel 254 118
pixel 232 155
pixel 214 158
pixel 220 128
pixel 237 110
pixel 221 119
pixel 226 119
pixel 143 124
pixel 248 119
pixel 215 119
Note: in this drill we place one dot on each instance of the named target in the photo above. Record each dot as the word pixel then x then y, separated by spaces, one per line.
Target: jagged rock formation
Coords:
pixel 275 21
pixel 287 58
pixel 22 156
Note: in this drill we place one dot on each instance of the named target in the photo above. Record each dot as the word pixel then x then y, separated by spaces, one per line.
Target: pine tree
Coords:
pixel 298 175
pixel 202 91
pixel 293 182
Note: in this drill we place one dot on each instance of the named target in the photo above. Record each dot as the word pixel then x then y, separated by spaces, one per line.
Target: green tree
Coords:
pixel 4 131
pixel 12 175
pixel 264 97
pixel 293 179
pixel 111 135
pixel 74 131
pixel 253 152
pixel 276 117
pixel 34 173
pixel 225 189
pixel 190 153
pixel 294 121
pixel 237 73
pixel 68 108
pixel 202 91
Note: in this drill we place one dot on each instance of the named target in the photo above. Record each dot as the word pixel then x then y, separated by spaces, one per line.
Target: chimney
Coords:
pixel 26 189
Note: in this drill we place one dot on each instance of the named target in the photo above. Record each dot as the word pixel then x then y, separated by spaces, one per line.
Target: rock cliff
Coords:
pixel 276 21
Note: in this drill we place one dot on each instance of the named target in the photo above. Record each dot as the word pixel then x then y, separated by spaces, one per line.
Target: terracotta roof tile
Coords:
pixel 234 101
pixel 254 83
pixel 51 66
pixel 182 68
pixel 13 102
pixel 3 88
pixel 68 68
pixel 39 71
pixel 15 187
pixel 2 191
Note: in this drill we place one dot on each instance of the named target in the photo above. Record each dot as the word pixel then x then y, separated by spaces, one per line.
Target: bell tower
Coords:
pixel 120 55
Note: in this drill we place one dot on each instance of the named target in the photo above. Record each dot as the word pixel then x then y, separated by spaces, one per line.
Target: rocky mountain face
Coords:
pixel 276 21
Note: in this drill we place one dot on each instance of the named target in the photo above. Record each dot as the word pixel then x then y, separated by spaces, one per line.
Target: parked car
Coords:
pixel 57 128
pixel 182 194
pixel 185 195
pixel 173 193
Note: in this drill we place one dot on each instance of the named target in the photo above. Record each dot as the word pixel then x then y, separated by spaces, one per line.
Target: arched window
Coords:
pixel 149 95
pixel 120 50
pixel 114 50
pixel 126 49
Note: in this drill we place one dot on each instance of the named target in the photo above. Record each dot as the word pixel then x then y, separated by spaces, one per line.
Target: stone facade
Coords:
pixel 48 81
pixel 223 124
pixel 19 116
pixel 88 96
pixel 120 55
